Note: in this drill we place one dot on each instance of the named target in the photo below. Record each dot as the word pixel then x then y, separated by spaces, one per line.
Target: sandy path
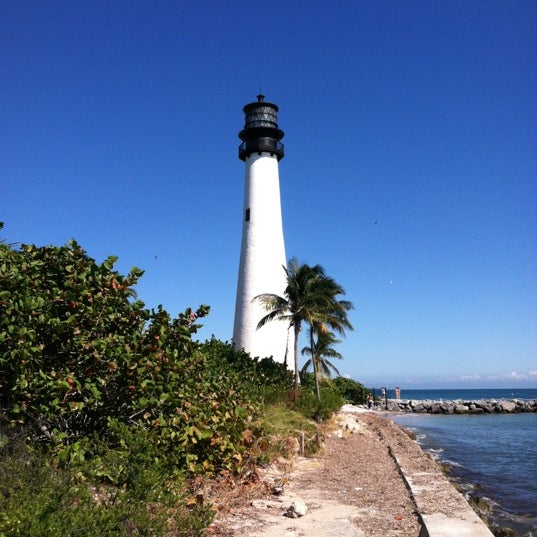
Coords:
pixel 354 489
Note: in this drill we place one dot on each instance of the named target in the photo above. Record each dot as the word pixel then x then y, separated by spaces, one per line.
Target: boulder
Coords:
pixel 427 406
pixel 484 405
pixel 476 410
pixel 297 509
pixel 507 406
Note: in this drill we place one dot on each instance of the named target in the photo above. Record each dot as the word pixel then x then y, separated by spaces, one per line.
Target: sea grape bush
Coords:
pixel 66 329
pixel 263 379
pixel 82 359
pixel 353 392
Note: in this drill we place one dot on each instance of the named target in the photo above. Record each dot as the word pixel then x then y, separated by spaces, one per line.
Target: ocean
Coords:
pixel 494 454
pixel 464 394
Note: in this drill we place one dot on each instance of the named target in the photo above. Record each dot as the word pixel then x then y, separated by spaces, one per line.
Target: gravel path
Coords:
pixel 353 490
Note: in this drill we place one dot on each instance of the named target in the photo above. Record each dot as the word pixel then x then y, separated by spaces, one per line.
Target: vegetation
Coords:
pixel 310 297
pixel 353 392
pixel 110 412
pixel 79 359
pixel 41 499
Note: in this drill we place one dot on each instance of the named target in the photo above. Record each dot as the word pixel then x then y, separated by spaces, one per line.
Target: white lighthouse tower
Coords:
pixel 262 249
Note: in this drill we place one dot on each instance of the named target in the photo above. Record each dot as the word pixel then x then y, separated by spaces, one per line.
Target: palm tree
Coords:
pixel 322 353
pixel 311 297
pixel 332 313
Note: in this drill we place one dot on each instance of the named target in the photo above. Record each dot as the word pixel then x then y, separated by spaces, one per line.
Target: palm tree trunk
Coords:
pixel 315 365
pixel 297 378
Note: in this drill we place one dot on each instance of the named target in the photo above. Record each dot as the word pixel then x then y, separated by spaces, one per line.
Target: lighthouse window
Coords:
pixel 264 116
pixel 247 215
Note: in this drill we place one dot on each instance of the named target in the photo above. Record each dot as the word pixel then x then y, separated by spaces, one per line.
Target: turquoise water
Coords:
pixel 497 451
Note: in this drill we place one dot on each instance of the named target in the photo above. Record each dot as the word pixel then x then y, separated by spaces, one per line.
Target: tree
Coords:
pixel 309 297
pixel 322 353
pixel 332 314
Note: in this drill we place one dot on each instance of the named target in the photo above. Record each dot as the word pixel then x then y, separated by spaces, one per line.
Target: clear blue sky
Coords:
pixel 410 171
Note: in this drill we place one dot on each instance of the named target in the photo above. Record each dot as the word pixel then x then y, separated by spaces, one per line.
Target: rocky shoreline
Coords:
pixel 491 406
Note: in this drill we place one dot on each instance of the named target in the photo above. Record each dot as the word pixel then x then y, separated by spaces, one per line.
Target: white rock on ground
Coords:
pixel 297 509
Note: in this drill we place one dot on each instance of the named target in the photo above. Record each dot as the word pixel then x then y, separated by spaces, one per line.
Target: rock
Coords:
pixel 507 406
pixel 460 406
pixel 427 405
pixel 297 509
pixel 392 406
pixel 484 405
pixel 476 410
pixel 347 424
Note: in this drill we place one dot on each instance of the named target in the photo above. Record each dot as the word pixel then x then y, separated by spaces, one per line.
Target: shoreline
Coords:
pixel 505 513
pixel 433 489
pixel 372 479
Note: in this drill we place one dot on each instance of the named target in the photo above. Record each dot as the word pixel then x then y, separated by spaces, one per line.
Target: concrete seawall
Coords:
pixel 491 406
pixel 443 511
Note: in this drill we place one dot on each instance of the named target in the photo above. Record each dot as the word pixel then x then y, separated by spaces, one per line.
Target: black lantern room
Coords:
pixel 261 132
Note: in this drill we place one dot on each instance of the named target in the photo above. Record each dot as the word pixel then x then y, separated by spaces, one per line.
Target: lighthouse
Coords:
pixel 262 259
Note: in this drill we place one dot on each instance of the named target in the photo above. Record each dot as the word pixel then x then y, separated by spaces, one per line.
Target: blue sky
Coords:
pixel 410 171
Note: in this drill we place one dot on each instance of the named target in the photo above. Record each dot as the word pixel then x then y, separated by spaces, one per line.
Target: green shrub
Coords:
pixel 40 499
pixel 79 355
pixel 308 404
pixel 262 380
pixel 352 391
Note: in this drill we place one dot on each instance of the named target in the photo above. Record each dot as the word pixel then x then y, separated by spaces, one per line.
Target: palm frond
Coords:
pixel 310 297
